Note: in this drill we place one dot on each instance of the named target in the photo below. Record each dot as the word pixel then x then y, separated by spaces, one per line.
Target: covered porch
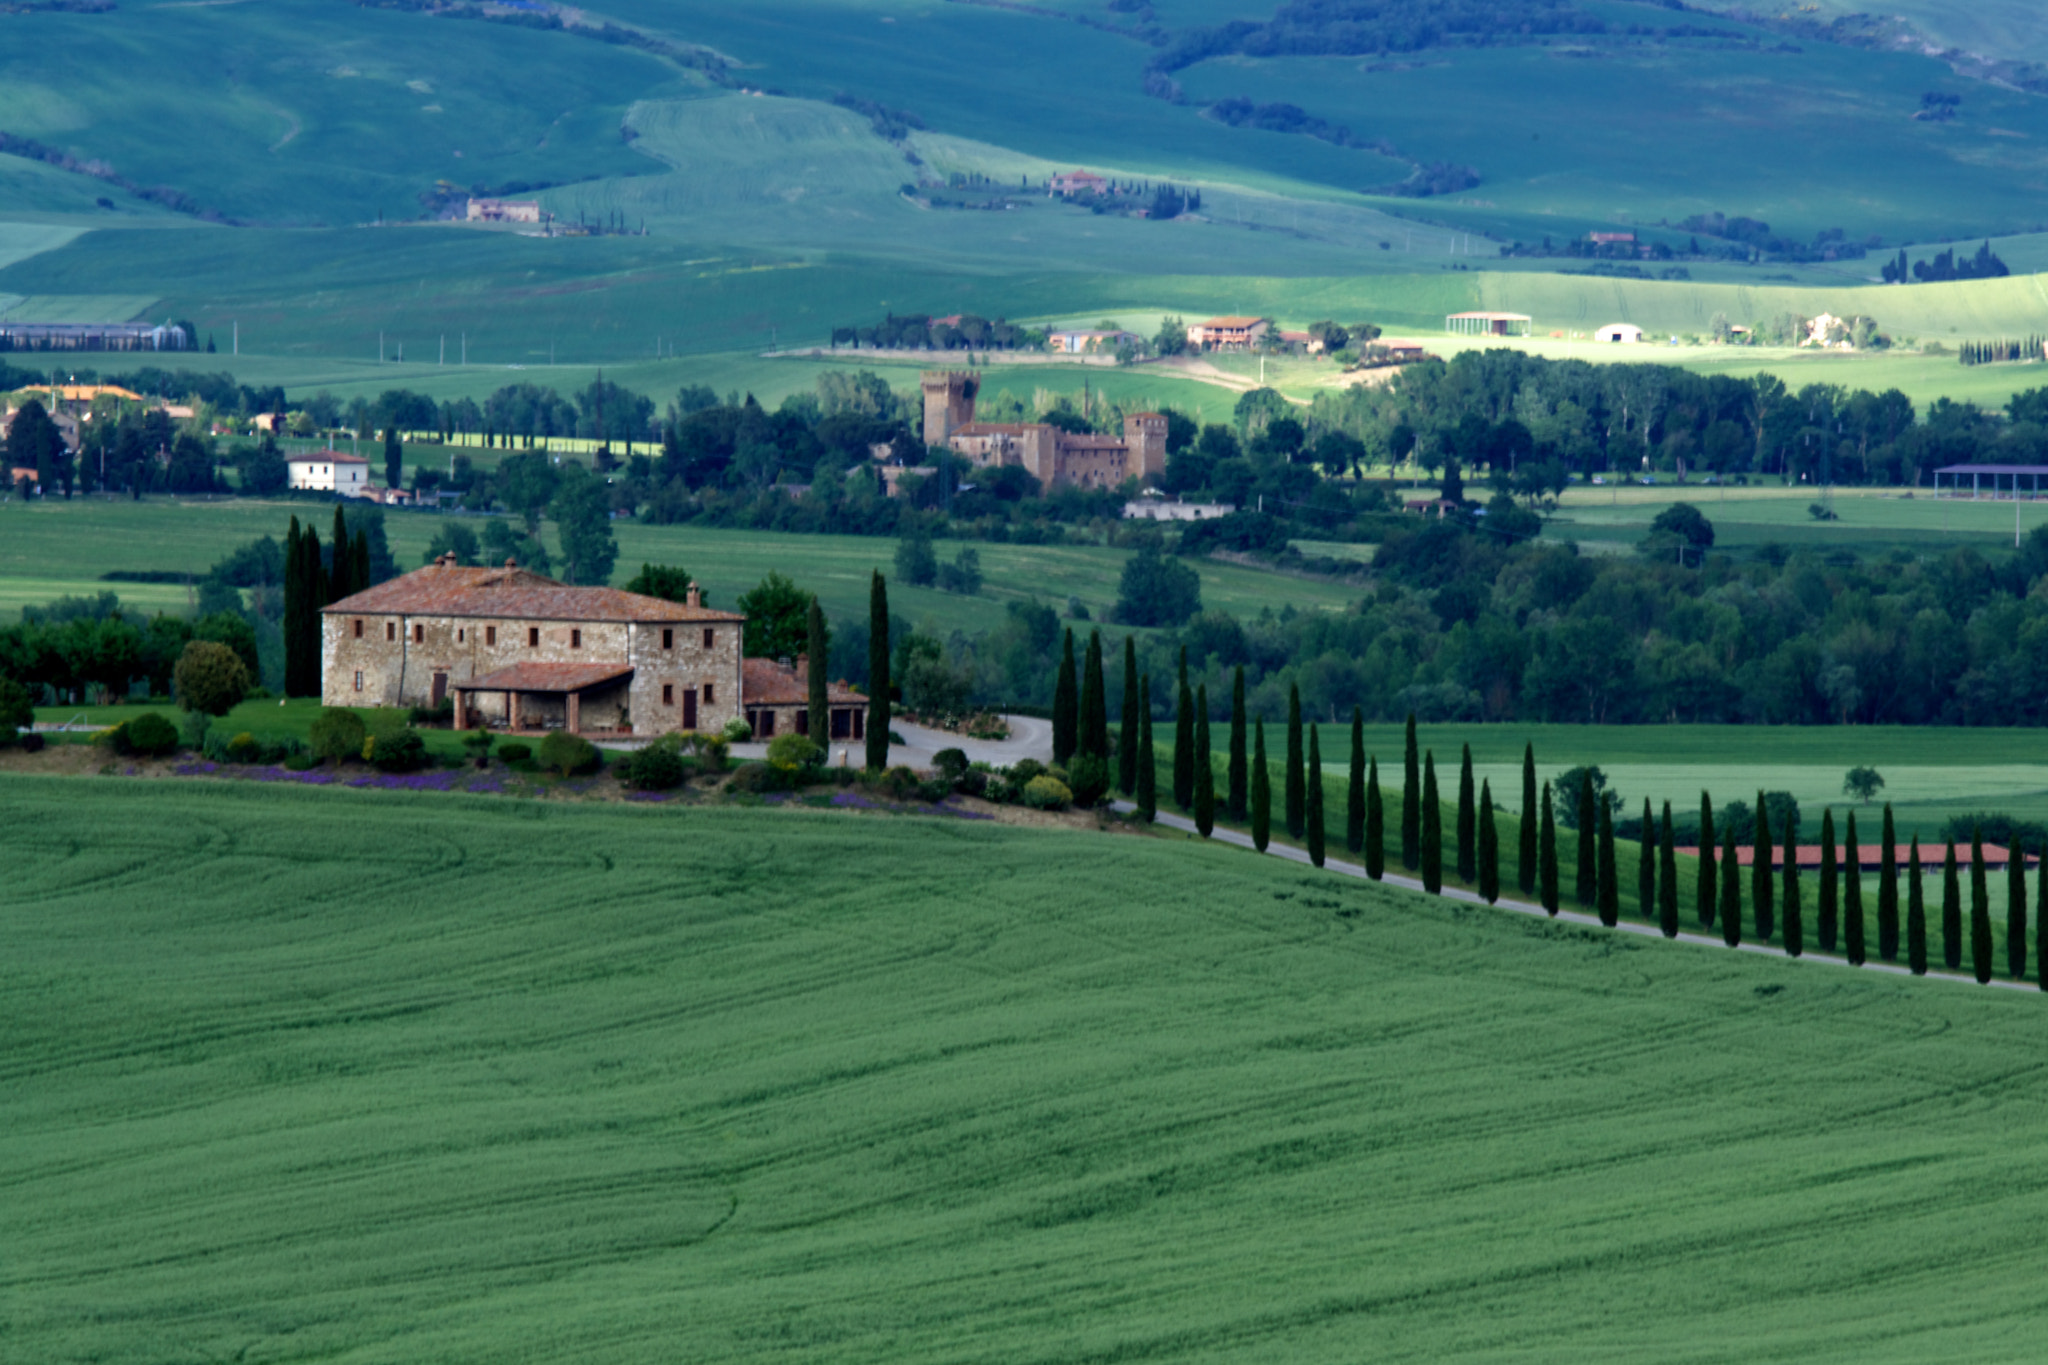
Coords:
pixel 539 697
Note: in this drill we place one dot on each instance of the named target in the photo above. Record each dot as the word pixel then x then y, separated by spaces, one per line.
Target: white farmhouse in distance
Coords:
pixel 1622 333
pixel 330 471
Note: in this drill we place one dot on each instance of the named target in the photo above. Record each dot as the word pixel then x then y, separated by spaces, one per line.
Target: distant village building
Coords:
pixel 1611 238
pixel 523 652
pixel 1488 324
pixel 1619 333
pixel 1160 509
pixel 504 211
pixel 328 471
pixel 91 336
pixel 1056 458
pixel 1070 183
pixel 1227 334
pixel 1090 341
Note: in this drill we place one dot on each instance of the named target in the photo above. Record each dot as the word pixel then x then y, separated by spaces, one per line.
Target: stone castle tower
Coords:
pixel 1145 438
pixel 949 403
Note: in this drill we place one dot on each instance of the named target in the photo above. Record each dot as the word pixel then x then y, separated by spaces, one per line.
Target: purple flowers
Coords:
pixel 410 782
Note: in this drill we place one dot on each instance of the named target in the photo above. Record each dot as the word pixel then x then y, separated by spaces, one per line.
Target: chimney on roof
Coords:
pixel 511 563
pixel 694 597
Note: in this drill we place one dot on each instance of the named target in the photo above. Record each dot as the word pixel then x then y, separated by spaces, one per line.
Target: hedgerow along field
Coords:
pixel 640 1085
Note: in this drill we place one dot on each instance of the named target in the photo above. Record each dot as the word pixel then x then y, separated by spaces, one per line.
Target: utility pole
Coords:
pixel 444 350
pixel 238 337
pixel 380 348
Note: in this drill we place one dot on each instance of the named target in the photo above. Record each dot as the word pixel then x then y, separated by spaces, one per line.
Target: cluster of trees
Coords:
pixel 2001 351
pixel 917 332
pixel 83 649
pixel 1753 238
pixel 1943 266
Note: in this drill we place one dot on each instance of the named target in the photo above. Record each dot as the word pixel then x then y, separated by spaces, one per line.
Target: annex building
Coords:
pixel 329 471
pixel 1056 458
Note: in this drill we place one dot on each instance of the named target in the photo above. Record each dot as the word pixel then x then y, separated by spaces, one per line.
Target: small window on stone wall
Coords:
pixel 709 635
pixel 419 634
pixel 710 694
pixel 490 635
pixel 668 638
pixel 391 630
pixel 359 680
pixel 359 627
pixel 668 694
pixel 533 637
pixel 575 639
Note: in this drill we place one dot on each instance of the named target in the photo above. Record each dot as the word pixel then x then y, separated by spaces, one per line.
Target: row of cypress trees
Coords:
pixel 313 582
pixel 1775 894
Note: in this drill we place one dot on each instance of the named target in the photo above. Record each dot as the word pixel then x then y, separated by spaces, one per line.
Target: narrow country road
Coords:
pixel 1029 738
pixel 1344 869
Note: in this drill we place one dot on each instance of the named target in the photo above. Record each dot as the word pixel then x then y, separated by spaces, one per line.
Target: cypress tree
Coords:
pixel 294 623
pixel 1066 718
pixel 1646 865
pixel 394 457
pixel 1411 801
pixel 1432 828
pixel 360 578
pixel 817 652
pixel 1916 915
pixel 1731 891
pixel 1761 872
pixel 2041 926
pixel 1852 896
pixel 341 579
pixel 2016 911
pixel 1127 732
pixel 1240 794
pixel 1314 813
pixel 1184 739
pixel 1489 847
pixel 1092 735
pixel 1667 879
pixel 1830 887
pixel 1525 851
pixel 1610 879
pixel 878 672
pixel 1205 767
pixel 1588 889
pixel 1262 790
pixel 1709 889
pixel 1951 911
pixel 1980 909
pixel 1795 928
pixel 316 598
pixel 1888 890
pixel 1354 787
pixel 1375 824
pixel 1546 856
pixel 1147 760
pixel 1297 791
pixel 1468 826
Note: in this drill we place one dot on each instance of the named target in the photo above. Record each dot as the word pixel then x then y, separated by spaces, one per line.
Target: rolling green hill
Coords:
pixel 589 1083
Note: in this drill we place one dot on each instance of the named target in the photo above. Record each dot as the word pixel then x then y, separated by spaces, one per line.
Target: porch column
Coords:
pixel 575 713
pixel 461 709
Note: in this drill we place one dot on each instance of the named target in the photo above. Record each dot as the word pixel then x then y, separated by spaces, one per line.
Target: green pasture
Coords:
pixel 1870 522
pixel 562 1081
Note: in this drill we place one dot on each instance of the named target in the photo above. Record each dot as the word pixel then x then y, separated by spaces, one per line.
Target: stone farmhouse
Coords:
pixel 1056 458
pixel 1228 334
pixel 776 694
pixel 504 211
pixel 329 471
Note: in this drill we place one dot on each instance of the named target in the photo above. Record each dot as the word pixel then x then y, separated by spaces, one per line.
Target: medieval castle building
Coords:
pixel 1054 457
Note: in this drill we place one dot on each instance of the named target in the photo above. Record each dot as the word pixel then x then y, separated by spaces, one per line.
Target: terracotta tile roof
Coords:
pixel 1089 441
pixel 327 457
pixel 538 677
pixel 764 682
pixel 513 593
pixel 1232 324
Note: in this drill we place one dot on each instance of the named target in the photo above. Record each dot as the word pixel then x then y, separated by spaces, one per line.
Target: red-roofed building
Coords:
pixel 778 701
pixel 1070 183
pixel 1227 334
pixel 520 651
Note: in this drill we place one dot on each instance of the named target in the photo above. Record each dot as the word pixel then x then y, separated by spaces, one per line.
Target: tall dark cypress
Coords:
pixel 316 583
pixel 1091 736
pixel 1468 823
pixel 1951 912
pixel 1432 828
pixel 1297 790
pixel 1354 786
pixel 1980 909
pixel 1127 732
pixel 818 669
pixel 1762 873
pixel 1489 846
pixel 295 606
pixel 1314 812
pixel 1066 706
pixel 359 577
pixel 878 673
pixel 1205 767
pixel 341 578
pixel 1546 856
pixel 1667 879
pixel 1830 883
pixel 1916 914
pixel 1525 851
pixel 1262 790
pixel 1609 891
pixel 1148 759
pixel 1588 889
pixel 1411 801
pixel 1240 793
pixel 1888 890
pixel 1708 889
pixel 1731 890
pixel 1184 739
pixel 1791 925
pixel 2016 911
pixel 1646 866
pixel 2041 926
pixel 1375 824
pixel 1852 896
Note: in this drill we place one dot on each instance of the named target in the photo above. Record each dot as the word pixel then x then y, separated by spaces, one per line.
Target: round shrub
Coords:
pixel 737 731
pixel 337 734
pixel 793 752
pixel 1023 771
pixel 1047 793
pixel 149 734
pixel 656 768
pixel 242 748
pixel 570 755
pixel 404 752
pixel 974 782
pixel 714 750
pixel 210 678
pixel 515 751
pixel 898 783
pixel 31 742
pixel 1088 779
pixel 757 777
pixel 950 763
pixel 17 708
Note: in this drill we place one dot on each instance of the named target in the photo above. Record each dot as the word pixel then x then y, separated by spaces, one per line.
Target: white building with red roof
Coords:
pixel 329 471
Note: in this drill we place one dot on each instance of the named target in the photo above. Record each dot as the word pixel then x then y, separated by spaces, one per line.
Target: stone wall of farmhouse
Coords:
pixel 389 660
